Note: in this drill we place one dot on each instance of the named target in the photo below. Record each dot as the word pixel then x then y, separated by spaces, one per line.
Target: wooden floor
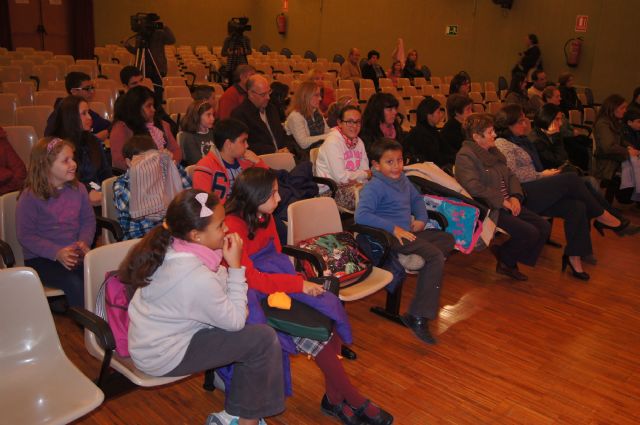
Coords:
pixel 550 350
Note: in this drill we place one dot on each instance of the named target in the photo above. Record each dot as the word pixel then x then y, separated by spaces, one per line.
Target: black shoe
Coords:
pixel 618 230
pixel 348 353
pixel 578 275
pixel 337 411
pixel 419 326
pixel 382 418
pixel 512 272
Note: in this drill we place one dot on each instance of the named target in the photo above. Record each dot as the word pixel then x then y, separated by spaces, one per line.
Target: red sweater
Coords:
pixel 230 100
pixel 12 169
pixel 267 283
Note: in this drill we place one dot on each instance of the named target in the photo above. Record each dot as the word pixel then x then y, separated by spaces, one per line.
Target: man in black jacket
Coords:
pixel 372 70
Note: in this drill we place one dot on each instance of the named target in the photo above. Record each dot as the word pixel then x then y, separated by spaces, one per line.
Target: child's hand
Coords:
pixel 68 256
pixel 95 198
pixel 311 288
pixel 82 247
pixel 251 156
pixel 232 250
pixel 400 234
pixel 417 225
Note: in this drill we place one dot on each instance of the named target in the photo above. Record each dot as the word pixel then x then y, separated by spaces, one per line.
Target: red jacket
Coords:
pixel 267 283
pixel 211 175
pixel 12 169
pixel 230 100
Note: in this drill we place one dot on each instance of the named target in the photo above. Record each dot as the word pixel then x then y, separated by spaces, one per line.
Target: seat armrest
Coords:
pixel 333 186
pixel 110 225
pixel 314 258
pixel 7 254
pixel 96 325
pixel 440 218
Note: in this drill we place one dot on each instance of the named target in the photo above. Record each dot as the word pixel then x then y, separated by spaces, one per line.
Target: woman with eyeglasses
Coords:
pixel 551 193
pixel 305 121
pixel 424 142
pixel 136 115
pixel 343 158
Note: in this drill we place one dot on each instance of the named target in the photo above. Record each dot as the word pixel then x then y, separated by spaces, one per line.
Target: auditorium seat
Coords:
pixel 35 116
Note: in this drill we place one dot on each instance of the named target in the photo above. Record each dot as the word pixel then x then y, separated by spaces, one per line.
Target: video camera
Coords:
pixel 237 26
pixel 144 24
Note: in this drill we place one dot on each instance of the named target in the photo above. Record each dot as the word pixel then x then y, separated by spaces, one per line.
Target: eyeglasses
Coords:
pixel 352 122
pixel 88 88
pixel 265 94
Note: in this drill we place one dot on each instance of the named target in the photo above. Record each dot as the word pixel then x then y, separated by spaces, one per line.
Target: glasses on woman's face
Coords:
pixel 352 122
pixel 87 88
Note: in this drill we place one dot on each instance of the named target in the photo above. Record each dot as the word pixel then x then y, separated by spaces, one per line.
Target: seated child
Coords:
pixel 141 195
pixel 188 312
pixel 196 137
pixel 218 169
pixel 54 219
pixel 250 209
pixel 387 202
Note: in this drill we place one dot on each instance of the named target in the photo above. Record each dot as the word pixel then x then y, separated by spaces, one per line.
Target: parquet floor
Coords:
pixel 550 350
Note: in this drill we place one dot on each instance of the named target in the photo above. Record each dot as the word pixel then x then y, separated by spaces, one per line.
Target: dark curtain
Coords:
pixel 82 29
pixel 5 25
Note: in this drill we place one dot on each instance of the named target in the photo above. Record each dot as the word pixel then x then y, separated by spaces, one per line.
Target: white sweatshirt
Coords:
pixel 340 163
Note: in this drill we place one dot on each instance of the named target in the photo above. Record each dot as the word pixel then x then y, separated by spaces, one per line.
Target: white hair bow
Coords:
pixel 202 198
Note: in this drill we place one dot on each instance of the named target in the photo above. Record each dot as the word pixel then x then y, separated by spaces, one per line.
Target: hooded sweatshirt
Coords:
pixel 184 296
pixel 386 203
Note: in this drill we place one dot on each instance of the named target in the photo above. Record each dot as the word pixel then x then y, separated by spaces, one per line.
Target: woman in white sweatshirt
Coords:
pixel 188 311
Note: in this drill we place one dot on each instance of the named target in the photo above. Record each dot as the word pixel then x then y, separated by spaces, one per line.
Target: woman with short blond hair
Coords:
pixel 305 121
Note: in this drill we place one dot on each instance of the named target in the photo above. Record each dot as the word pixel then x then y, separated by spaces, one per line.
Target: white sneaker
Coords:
pixel 221 418
pixel 411 262
pixel 235 422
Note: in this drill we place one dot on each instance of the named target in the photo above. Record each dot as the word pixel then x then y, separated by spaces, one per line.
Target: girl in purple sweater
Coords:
pixel 55 221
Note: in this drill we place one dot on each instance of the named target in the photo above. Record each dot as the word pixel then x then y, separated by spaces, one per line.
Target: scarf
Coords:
pixel 315 124
pixel 209 257
pixel 388 130
pixel 351 143
pixel 157 135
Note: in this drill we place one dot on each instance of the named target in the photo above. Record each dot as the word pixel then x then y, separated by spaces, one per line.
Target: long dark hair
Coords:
pixel 183 216
pixel 130 110
pixel 608 109
pixel 251 189
pixel 68 126
pixel 505 118
pixel 545 116
pixel 373 116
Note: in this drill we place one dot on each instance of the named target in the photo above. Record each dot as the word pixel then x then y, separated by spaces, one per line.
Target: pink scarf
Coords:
pixel 157 135
pixel 209 257
pixel 388 131
pixel 351 143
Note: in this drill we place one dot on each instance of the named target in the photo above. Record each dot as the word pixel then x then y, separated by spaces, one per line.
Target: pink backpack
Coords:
pixel 112 304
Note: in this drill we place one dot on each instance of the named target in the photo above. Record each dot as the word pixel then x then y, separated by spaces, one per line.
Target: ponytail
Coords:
pixel 145 257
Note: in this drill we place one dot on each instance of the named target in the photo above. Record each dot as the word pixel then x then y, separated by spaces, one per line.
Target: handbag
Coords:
pixel 301 320
pixel 464 223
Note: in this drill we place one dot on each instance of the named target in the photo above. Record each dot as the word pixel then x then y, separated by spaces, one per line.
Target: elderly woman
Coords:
pixel 482 170
pixel 305 121
pixel 550 193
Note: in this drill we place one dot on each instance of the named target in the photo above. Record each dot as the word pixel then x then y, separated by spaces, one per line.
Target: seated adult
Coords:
pixel 137 115
pixel 568 93
pixel 196 137
pixel 372 70
pixel 142 194
pixel 411 69
pixel 517 94
pixel 539 79
pixel 424 142
pixel 217 170
pixel 12 169
pixel 343 158
pixel 460 84
pixel 380 119
pixel 459 107
pixel 395 72
pixel 327 93
pixel 550 193
pixel 280 98
pixel 73 123
pixel 266 134
pixel 631 128
pixel 305 121
pixel 350 69
pixel 204 92
pixel 482 170
pixel 634 105
pixel 611 148
pixel 80 84
pixel 236 93
pixel 130 77
pixel 579 146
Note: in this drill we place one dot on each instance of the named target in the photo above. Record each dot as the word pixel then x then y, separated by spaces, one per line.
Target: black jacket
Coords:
pixel 260 140
pixel 369 72
pixel 453 136
pixel 425 143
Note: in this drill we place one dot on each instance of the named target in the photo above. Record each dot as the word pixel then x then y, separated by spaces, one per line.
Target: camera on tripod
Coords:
pixel 237 26
pixel 144 24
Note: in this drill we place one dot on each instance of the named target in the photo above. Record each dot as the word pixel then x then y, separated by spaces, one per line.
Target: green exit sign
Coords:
pixel 451 30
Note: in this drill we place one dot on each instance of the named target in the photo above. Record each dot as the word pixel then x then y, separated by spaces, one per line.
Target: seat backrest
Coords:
pixel 10 73
pixel 366 83
pixel 178 105
pixel 8 105
pixel 101 109
pixel 35 116
pixel 312 217
pixel 8 203
pixel 111 70
pixel 45 73
pixel 108 205
pixel 57 85
pixel 22 138
pixel 23 89
pixel 346 84
pixel 176 91
pixel 279 160
pixel 48 97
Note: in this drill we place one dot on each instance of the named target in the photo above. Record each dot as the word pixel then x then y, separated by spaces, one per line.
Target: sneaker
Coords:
pixel 411 262
pixel 236 420
pixel 221 418
pixel 419 326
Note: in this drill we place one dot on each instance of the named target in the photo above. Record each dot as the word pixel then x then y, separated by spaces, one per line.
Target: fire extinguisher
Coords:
pixel 572 50
pixel 281 23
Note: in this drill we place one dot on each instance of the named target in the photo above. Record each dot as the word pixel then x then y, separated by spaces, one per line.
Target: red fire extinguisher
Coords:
pixel 572 50
pixel 281 23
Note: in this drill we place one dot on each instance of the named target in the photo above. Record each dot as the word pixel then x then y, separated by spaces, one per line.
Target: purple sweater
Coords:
pixel 44 227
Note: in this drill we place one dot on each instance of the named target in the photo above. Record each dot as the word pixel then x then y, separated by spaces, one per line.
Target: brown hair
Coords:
pixel 191 120
pixel 43 155
pixel 548 92
pixel 301 101
pixel 608 109
pixel 477 124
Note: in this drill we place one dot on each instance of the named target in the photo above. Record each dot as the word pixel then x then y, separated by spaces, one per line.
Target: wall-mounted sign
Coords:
pixel 451 30
pixel 582 21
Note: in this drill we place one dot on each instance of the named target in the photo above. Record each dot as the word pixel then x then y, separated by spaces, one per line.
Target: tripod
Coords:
pixel 142 61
